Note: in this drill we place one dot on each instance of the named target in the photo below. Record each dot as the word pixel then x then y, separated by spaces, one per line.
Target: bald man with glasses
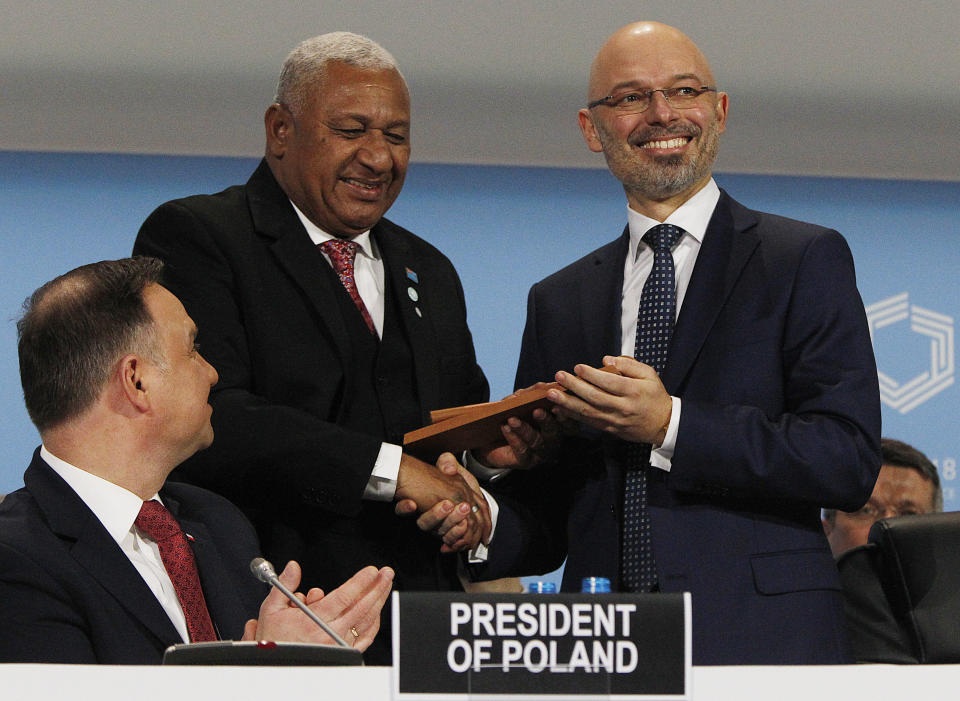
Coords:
pixel 746 396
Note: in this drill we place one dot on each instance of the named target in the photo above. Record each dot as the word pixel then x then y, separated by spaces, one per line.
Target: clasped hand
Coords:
pixel 448 499
pixel 525 446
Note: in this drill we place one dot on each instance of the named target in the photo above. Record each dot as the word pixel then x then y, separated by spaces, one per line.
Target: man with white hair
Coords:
pixel 334 330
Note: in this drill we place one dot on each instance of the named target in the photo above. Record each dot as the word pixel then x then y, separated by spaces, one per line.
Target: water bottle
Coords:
pixel 595 585
pixel 542 588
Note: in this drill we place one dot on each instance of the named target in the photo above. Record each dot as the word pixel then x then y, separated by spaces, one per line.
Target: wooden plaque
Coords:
pixel 476 425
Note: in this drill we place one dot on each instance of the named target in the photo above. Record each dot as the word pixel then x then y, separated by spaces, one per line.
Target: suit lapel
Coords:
pixel 95 551
pixel 273 216
pixel 730 240
pixel 601 293
pixel 405 278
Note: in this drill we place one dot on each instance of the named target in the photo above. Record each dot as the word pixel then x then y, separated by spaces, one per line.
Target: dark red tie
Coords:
pixel 158 523
pixel 341 254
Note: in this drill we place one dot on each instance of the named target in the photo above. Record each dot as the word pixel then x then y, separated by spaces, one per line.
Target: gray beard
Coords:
pixel 671 176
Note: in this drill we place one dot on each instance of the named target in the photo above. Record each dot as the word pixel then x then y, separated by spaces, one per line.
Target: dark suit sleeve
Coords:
pixel 264 449
pixel 809 435
pixel 38 620
pixel 533 504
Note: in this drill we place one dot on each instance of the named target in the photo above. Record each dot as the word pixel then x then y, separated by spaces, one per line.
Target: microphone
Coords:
pixel 263 570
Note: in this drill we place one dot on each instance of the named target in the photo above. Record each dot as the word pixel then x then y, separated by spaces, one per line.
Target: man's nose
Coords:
pixel 660 110
pixel 375 152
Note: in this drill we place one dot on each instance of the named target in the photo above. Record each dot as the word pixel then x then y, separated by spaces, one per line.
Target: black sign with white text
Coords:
pixel 602 645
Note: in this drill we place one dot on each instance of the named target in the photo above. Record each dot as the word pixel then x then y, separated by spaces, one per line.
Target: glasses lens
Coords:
pixel 681 97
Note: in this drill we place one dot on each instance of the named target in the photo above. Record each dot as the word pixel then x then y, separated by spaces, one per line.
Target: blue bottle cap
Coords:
pixel 542 588
pixel 595 585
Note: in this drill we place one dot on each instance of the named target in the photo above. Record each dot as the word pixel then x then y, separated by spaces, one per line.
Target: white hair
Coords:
pixel 307 63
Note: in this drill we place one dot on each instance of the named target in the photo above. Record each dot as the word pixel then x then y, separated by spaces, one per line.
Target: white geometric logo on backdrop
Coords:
pixel 909 394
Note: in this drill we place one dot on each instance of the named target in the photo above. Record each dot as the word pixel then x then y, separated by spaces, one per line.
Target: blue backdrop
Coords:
pixel 505 228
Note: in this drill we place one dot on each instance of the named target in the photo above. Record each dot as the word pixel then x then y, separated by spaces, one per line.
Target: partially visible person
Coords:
pixel 100 561
pixel 908 484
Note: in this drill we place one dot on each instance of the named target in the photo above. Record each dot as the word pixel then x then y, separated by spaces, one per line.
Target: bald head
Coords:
pixel 654 111
pixel 653 46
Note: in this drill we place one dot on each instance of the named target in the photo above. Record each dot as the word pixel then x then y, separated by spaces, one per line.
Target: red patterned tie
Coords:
pixel 158 523
pixel 341 254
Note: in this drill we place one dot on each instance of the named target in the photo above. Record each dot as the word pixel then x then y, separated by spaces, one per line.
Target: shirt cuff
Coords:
pixel 480 553
pixel 662 457
pixel 382 485
pixel 481 471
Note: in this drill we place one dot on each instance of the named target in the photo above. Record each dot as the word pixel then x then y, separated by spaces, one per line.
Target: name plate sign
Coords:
pixel 621 646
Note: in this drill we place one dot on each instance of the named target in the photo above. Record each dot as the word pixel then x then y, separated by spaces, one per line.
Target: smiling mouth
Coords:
pixel 675 142
pixel 366 186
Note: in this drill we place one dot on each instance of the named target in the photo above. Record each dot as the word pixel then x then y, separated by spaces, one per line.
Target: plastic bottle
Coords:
pixel 595 585
pixel 542 588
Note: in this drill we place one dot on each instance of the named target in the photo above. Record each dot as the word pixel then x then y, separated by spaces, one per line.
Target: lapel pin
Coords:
pixel 412 294
pixel 412 276
pixel 419 313
pixel 190 537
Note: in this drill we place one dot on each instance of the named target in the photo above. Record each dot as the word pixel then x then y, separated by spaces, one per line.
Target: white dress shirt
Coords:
pixel 692 216
pixel 117 509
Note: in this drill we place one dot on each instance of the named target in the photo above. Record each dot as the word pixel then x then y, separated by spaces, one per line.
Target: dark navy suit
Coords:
pixel 771 357
pixel 68 593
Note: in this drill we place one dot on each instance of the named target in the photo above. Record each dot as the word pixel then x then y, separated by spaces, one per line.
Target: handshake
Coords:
pixel 448 498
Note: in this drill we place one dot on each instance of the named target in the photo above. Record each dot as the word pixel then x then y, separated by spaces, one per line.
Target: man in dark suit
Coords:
pixel 114 383
pixel 703 468
pixel 325 363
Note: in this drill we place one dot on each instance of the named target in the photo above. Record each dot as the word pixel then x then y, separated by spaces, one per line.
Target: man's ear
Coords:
pixel 133 382
pixel 278 123
pixel 723 108
pixel 589 131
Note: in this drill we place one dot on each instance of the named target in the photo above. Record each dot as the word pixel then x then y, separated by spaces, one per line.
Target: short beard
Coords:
pixel 668 176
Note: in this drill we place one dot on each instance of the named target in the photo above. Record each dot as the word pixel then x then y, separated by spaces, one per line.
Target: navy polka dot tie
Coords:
pixel 654 331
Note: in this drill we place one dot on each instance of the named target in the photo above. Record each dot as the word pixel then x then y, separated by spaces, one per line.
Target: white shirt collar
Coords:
pixel 116 507
pixel 318 235
pixel 692 216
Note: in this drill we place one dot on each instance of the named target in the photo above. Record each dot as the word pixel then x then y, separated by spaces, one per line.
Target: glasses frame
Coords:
pixel 648 94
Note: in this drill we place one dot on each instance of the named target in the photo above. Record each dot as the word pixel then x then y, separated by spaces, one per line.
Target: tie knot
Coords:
pixel 340 250
pixel 156 521
pixel 663 237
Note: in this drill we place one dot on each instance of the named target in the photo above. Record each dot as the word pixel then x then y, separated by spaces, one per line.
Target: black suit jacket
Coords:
pixel 263 297
pixel 68 594
pixel 772 360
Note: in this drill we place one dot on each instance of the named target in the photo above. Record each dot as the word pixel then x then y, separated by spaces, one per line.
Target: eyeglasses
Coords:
pixel 681 98
pixel 875 513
